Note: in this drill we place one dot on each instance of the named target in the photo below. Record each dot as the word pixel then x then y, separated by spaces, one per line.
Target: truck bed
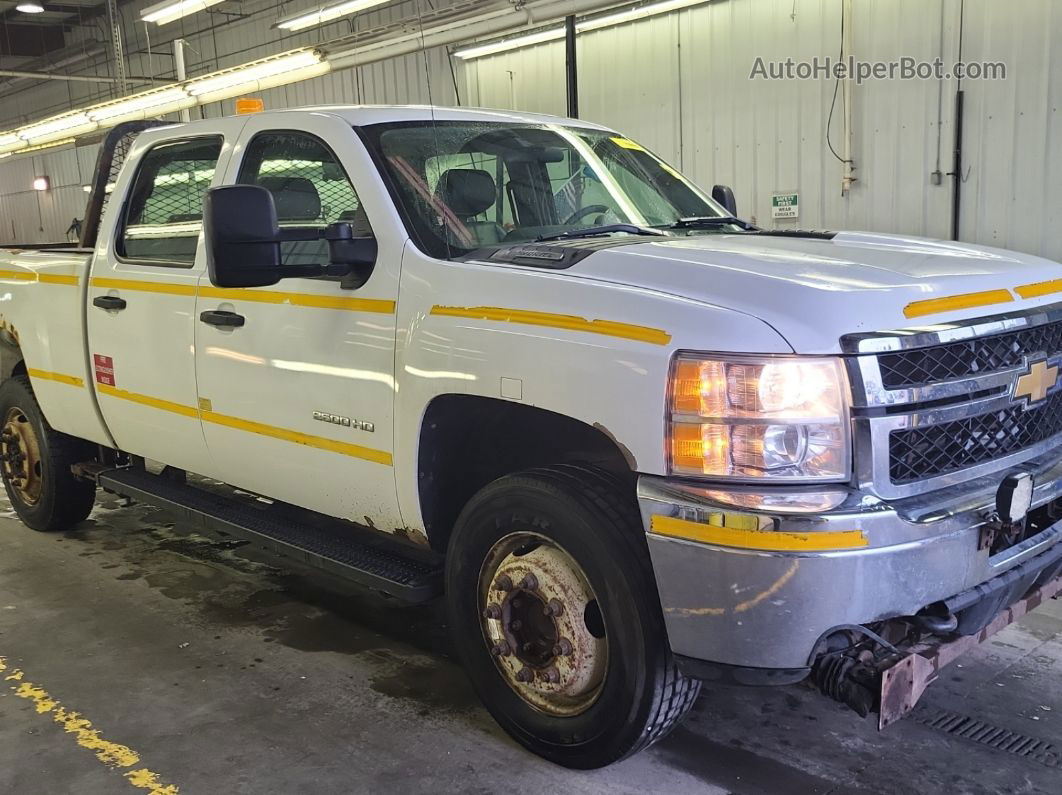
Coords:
pixel 65 247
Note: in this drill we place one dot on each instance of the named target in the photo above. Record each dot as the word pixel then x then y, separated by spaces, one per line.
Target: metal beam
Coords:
pixel 54 76
pixel 76 78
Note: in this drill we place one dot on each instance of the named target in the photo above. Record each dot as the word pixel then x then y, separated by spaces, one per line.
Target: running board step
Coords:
pixel 351 551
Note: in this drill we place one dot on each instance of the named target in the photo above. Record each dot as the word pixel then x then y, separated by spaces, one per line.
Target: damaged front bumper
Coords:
pixel 761 597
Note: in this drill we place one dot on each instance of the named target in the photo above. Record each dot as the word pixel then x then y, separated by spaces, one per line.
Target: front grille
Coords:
pixel 925 366
pixel 917 453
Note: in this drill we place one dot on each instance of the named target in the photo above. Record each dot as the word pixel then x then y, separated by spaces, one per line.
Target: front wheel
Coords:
pixel 35 462
pixel 556 616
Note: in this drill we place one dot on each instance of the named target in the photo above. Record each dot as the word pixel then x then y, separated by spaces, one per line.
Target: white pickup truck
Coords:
pixel 638 442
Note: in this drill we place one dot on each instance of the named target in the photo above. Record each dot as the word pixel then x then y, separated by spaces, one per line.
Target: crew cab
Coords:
pixel 637 442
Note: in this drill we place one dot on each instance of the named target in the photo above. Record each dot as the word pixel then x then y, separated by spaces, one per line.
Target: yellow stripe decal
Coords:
pixel 44 375
pixel 58 278
pixel 143 286
pixel 571 322
pixel 144 400
pixel 757 539
pixel 932 306
pixel 112 754
pixel 373 305
pixel 301 299
pixel 19 276
pixel 43 278
pixel 1040 288
pixel 318 442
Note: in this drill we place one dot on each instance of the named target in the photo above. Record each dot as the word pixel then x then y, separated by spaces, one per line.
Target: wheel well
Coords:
pixel 468 441
pixel 11 362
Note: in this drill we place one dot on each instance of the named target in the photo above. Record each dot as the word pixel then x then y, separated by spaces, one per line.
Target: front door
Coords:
pixel 297 401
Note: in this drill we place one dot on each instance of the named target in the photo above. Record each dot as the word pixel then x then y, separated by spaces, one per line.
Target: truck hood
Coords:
pixel 814 290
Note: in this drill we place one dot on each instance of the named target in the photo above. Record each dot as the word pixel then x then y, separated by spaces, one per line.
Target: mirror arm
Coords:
pixel 312 271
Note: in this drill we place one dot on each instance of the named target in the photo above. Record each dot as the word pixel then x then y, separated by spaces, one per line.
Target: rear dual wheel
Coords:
pixel 556 616
pixel 35 462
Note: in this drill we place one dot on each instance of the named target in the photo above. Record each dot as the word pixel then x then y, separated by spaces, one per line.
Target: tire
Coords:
pixel 584 516
pixel 53 499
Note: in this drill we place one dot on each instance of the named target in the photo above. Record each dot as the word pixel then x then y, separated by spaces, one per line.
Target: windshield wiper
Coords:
pixel 590 231
pixel 712 221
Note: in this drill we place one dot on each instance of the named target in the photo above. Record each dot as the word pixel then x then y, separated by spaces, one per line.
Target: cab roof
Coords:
pixel 360 115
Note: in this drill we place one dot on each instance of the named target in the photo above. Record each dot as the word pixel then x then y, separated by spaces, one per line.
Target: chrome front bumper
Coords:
pixel 756 608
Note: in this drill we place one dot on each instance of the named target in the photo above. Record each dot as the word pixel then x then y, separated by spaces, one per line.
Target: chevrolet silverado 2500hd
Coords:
pixel 638 442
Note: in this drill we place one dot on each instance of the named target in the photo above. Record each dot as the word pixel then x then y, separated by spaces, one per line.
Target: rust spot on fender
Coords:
pixel 628 456
pixel 8 330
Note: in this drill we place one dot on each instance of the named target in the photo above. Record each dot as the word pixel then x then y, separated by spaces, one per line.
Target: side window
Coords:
pixel 309 186
pixel 164 210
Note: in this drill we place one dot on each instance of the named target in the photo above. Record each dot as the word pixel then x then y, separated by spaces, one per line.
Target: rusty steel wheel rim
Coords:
pixel 542 624
pixel 20 456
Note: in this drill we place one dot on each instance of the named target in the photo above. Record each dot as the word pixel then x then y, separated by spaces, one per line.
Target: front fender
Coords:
pixel 594 351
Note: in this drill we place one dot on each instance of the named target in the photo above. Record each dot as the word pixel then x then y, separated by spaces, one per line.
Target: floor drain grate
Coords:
pixel 993 736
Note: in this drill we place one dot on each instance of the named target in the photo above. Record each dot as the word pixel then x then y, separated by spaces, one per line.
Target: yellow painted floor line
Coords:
pixel 111 754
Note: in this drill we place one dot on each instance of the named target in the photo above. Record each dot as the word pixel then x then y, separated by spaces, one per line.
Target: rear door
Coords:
pixel 298 400
pixel 142 295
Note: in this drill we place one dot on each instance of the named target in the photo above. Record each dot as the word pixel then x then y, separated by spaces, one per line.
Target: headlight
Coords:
pixel 748 418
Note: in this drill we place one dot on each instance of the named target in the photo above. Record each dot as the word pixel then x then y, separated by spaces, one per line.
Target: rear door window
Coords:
pixel 164 211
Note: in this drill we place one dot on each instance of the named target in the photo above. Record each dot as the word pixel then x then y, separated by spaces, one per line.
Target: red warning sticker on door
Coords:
pixel 104 369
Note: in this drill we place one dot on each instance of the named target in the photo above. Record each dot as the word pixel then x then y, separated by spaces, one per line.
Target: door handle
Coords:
pixel 222 319
pixel 109 302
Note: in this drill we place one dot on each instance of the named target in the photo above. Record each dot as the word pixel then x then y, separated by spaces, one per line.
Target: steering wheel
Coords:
pixel 588 210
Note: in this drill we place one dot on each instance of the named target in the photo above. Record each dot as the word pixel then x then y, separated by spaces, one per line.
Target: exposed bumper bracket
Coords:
pixel 905 678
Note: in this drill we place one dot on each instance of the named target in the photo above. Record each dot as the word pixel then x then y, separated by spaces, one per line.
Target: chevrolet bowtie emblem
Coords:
pixel 1034 385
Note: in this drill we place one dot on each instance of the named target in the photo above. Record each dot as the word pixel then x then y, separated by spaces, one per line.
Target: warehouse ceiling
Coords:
pixel 33 35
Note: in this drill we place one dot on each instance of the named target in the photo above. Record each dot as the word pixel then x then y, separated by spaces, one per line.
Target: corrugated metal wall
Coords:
pixel 680 84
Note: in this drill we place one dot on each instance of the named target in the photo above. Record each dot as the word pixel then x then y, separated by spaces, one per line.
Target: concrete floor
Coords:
pixel 221 671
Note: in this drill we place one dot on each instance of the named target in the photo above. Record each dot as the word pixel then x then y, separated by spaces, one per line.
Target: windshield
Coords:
pixel 464 186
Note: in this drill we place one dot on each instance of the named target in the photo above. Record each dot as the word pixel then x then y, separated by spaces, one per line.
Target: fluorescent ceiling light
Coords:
pixel 60 127
pixel 326 12
pixel 581 26
pixel 539 37
pixel 49 145
pixel 30 8
pixel 278 70
pixel 632 14
pixel 169 10
pixel 258 75
pixel 153 103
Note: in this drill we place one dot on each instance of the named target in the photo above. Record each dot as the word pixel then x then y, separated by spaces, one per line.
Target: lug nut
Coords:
pixel 554 608
pixel 562 648
pixel 527 647
pixel 492 611
pixel 525 675
pixel 529 582
pixel 551 675
pixel 501 649
pixel 503 583
pixel 516 625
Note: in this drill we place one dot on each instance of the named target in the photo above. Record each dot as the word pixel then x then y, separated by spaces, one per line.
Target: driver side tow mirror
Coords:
pixel 724 195
pixel 243 239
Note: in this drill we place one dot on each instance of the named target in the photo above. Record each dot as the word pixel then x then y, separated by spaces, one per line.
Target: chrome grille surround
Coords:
pixel 879 411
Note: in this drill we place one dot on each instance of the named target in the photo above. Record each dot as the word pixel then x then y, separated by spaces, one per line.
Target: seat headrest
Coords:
pixel 296 198
pixel 466 191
